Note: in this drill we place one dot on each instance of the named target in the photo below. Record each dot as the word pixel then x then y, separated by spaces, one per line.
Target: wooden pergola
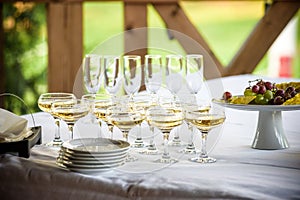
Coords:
pixel 65 38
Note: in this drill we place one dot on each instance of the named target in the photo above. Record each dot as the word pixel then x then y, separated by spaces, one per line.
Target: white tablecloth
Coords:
pixel 240 172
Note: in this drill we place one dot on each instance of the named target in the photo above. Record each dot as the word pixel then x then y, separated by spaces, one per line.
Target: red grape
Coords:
pixel 269 85
pixel 289 89
pixel 262 89
pixel 279 92
pixel 278 100
pixel 227 95
pixel 255 88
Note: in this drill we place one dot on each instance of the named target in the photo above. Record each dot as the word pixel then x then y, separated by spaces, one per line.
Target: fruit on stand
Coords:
pixel 261 92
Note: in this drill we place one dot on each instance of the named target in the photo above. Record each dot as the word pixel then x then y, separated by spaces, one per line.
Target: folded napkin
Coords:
pixel 12 127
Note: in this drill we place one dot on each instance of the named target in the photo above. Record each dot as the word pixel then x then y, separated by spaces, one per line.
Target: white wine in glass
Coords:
pixel 205 122
pixel 45 102
pixel 165 119
pixel 70 111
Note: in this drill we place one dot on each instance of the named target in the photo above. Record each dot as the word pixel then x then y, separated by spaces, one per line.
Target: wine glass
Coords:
pixel 125 117
pixel 92 72
pixel 112 74
pixel 45 102
pixel 175 72
pixel 100 102
pixel 165 118
pixel 194 72
pixel 202 107
pixel 132 74
pixel 205 122
pixel 153 74
pixel 70 111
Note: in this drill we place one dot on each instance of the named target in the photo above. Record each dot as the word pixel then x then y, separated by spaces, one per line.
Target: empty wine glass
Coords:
pixel 112 74
pixel 175 72
pixel 45 102
pixel 165 118
pixel 153 74
pixel 194 72
pixel 70 111
pixel 132 71
pixel 92 72
pixel 205 122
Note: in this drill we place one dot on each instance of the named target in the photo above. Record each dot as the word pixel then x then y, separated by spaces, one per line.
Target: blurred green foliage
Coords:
pixel 25 64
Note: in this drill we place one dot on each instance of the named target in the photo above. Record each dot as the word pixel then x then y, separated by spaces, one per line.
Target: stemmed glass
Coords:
pixel 202 107
pixel 194 74
pixel 153 73
pixel 112 74
pixel 100 102
pixel 92 72
pixel 165 118
pixel 132 74
pixel 175 73
pixel 205 122
pixel 45 102
pixel 125 117
pixel 70 111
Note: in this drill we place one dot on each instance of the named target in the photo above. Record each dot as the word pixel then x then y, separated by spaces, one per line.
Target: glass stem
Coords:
pixel 111 130
pixel 203 153
pixel 71 129
pixel 190 142
pixel 125 135
pixel 166 153
pixel 151 142
pixel 57 130
pixel 100 129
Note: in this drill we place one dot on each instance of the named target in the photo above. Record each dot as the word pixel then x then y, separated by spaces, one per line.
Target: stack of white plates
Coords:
pixel 92 154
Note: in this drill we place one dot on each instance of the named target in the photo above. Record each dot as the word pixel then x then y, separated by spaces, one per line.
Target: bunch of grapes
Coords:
pixel 268 93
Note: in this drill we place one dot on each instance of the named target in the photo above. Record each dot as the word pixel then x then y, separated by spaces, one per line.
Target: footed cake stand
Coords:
pixel 269 132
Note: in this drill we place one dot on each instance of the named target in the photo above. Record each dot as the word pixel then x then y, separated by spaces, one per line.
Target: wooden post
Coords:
pixel 135 37
pixel 64 22
pixel 2 70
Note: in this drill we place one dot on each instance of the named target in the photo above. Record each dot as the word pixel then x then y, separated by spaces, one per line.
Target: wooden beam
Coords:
pixel 262 37
pixel 184 31
pixel 136 34
pixel 65 42
pixel 2 70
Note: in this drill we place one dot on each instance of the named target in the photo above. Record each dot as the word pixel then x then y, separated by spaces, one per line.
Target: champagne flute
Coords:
pixel 165 118
pixel 112 74
pixel 45 102
pixel 175 72
pixel 194 74
pixel 100 102
pixel 193 107
pixel 70 111
pixel 92 72
pixel 132 71
pixel 205 122
pixel 125 117
pixel 153 74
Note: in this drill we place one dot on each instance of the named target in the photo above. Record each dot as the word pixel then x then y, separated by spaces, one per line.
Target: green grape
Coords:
pixel 261 100
pixel 248 92
pixel 268 95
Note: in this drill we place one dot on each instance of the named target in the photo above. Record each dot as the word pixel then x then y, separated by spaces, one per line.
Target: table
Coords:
pixel 240 172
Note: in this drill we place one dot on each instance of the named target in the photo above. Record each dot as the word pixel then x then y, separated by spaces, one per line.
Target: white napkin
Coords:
pixel 12 127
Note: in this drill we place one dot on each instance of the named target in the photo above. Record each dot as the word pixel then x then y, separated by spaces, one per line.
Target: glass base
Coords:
pixel 190 149
pixel 55 143
pixel 151 150
pixel 166 159
pixel 138 143
pixel 175 142
pixel 203 159
pixel 130 158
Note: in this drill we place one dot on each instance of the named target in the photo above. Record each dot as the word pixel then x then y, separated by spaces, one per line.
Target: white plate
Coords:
pixel 251 107
pixel 91 162
pixel 96 146
pixel 92 157
pixel 85 166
